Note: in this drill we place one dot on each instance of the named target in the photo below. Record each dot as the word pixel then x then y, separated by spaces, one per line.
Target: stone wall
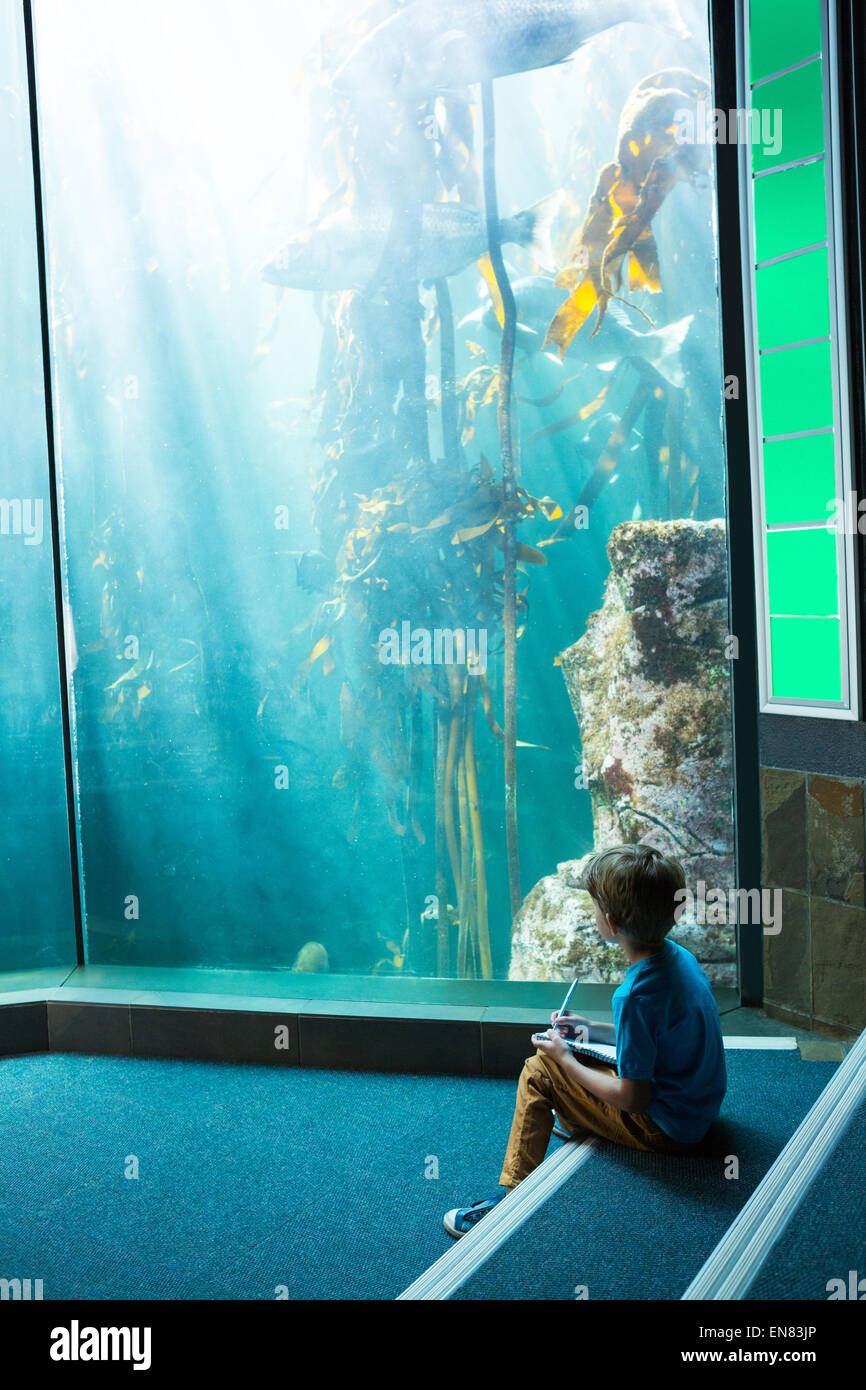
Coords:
pixel 814 850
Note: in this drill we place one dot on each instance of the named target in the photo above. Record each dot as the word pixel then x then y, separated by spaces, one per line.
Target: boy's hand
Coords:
pixel 552 1046
pixel 570 1024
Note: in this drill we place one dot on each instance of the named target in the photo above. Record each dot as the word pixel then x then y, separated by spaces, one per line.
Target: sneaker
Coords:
pixel 462 1220
pixel 559 1129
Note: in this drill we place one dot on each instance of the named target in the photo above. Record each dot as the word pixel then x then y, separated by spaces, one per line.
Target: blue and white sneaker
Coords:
pixel 462 1220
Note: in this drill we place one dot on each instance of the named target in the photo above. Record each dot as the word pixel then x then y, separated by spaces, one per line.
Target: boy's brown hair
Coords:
pixel 636 886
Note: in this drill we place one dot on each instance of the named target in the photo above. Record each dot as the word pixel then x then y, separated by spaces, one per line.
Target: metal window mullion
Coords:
pixel 846 557
pixel 783 72
pixel 67 713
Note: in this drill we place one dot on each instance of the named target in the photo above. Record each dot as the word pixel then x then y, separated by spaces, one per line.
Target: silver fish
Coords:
pixel 537 299
pixel 345 250
pixel 432 47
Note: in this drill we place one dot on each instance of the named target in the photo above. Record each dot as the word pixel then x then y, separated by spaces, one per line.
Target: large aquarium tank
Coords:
pixel 388 393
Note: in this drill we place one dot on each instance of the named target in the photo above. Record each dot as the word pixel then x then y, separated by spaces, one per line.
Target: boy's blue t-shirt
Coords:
pixel 668 1032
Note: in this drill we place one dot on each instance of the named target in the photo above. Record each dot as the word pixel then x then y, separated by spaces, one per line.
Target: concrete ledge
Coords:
pixel 445 1035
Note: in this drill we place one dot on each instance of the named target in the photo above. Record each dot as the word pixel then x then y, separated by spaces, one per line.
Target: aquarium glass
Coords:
pixel 330 629
pixel 36 924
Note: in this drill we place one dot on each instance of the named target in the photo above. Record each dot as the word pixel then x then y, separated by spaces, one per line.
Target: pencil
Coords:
pixel 564 1004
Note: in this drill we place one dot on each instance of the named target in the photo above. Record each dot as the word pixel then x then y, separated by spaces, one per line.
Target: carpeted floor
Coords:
pixel 639 1226
pixel 252 1179
pixel 249 1178
pixel 826 1238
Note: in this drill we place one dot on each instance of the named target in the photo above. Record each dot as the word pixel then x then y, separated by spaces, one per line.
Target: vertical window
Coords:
pixel 36 931
pixel 804 518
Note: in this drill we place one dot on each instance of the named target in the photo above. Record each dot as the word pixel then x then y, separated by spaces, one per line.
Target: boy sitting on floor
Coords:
pixel 669 1081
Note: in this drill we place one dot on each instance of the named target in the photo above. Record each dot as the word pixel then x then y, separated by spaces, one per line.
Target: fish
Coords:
pixel 428 47
pixel 312 959
pixel 345 250
pixel 537 300
pixel 314 571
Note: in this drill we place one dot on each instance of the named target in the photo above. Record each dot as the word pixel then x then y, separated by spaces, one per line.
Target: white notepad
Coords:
pixel 603 1052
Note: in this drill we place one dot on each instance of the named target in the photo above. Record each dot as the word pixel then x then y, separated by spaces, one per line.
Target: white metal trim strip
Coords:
pixel 737 1259
pixel 783 72
pixel 471 1251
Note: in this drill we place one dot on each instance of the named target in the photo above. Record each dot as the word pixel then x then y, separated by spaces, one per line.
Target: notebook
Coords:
pixel 602 1052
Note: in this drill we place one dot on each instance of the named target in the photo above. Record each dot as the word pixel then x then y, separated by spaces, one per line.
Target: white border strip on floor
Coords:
pixel 734 1264
pixel 470 1252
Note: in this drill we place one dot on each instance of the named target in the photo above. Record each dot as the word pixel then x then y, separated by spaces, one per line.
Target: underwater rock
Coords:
pixel 649 685
pixel 555 937
pixel 312 959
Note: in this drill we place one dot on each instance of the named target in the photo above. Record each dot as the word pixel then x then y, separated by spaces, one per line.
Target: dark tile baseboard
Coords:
pixel 23 1028
pixel 359 1041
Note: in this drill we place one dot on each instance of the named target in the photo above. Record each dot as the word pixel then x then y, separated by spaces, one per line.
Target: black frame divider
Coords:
pixel 741 561
pixel 851 81
pixel 54 499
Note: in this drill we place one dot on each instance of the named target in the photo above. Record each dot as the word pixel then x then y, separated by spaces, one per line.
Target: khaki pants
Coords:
pixel 545 1087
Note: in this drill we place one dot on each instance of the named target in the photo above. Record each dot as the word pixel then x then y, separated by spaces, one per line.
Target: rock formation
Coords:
pixel 649 683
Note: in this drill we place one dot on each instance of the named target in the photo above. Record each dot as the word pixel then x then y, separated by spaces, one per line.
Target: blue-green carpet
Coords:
pixel 332 1185
pixel 249 1178
pixel 639 1226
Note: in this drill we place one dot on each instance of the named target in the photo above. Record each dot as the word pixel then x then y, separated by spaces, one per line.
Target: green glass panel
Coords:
pixel 781 33
pixel 796 390
pixel 799 479
pixel 801 573
pixel 806 658
pixel 788 123
pixel 790 210
pixel 793 299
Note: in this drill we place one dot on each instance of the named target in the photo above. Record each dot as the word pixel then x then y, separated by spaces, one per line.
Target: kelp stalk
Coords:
pixel 443 945
pixel 482 933
pixel 509 472
pixel 454 737
pixel 447 372
pixel 465 913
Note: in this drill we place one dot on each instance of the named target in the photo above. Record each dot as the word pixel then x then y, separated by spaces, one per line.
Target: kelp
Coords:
pixel 408 535
pixel 509 463
pixel 138 643
pixel 615 248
